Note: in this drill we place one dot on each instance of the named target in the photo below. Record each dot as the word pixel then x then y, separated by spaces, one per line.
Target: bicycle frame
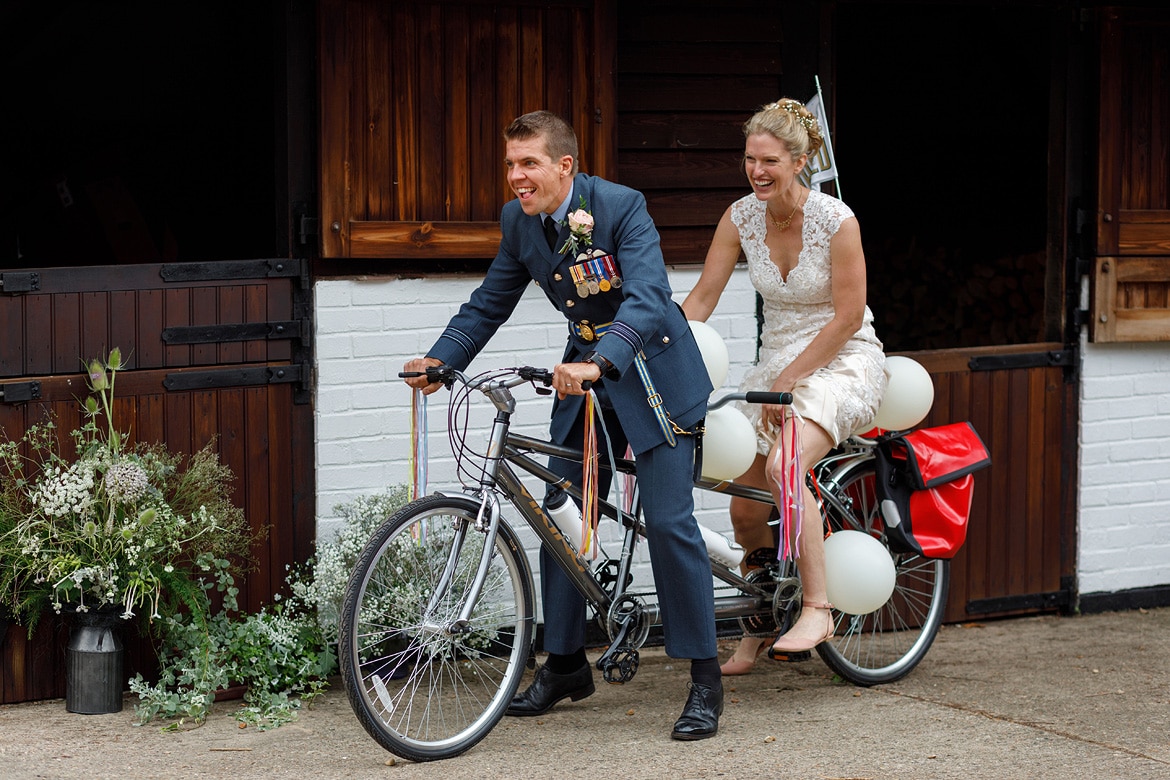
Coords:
pixel 507 449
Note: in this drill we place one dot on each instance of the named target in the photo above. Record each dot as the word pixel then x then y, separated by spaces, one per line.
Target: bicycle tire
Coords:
pixel 886 644
pixel 421 691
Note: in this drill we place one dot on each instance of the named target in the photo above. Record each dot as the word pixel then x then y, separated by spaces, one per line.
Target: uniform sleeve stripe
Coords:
pixel 462 339
pixel 627 334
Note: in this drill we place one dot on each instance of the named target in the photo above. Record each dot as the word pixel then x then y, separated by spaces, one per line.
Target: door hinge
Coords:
pixel 245 331
pixel 20 282
pixel 307 227
pixel 1056 357
pixel 232 269
pixel 1031 601
pixel 297 373
pixel 16 392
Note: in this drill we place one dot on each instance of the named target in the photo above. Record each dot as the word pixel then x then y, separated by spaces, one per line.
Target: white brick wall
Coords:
pixel 1124 496
pixel 368 328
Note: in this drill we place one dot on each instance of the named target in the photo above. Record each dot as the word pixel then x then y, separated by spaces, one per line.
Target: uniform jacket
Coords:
pixel 646 319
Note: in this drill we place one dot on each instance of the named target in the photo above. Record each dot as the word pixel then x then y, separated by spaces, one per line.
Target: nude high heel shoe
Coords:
pixel 733 666
pixel 788 648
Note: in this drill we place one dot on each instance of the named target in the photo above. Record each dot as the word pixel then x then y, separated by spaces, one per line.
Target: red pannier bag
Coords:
pixel 925 483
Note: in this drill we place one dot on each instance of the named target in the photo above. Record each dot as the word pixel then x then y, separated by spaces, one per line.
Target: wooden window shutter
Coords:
pixel 1131 285
pixel 414 96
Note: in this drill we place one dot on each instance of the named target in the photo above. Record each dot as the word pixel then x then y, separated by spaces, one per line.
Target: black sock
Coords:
pixel 567 664
pixel 705 671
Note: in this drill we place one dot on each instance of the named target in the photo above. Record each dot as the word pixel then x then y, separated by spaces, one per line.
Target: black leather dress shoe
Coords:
pixel 700 716
pixel 549 688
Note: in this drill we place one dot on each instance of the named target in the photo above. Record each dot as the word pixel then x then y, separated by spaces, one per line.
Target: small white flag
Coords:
pixel 821 167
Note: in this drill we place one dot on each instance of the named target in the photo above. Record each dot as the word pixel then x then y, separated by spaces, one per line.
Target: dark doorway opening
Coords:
pixel 137 132
pixel 943 145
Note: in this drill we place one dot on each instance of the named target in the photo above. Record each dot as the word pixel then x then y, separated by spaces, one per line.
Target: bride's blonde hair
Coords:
pixel 791 123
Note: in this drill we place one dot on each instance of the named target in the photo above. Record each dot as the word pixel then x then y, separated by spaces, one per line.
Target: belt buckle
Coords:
pixel 585 328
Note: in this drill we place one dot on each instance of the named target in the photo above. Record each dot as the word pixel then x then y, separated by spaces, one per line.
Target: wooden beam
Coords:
pixel 447 240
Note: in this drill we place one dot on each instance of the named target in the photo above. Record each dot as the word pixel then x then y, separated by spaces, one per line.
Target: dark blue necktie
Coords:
pixel 550 232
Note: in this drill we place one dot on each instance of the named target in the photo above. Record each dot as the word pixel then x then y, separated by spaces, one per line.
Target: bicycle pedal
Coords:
pixel 794 657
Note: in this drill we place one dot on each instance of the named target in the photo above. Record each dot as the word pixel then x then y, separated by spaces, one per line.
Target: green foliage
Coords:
pixel 279 654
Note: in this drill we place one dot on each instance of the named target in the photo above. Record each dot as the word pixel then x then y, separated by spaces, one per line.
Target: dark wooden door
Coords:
pixel 213 351
pixel 1020 554
pixel 1131 280
pixel 414 98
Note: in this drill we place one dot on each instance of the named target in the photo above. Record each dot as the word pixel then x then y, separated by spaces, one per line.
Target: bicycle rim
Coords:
pixel 887 644
pixel 422 690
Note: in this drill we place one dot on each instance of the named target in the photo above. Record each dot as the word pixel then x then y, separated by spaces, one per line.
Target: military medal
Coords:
pixel 578 274
pixel 615 281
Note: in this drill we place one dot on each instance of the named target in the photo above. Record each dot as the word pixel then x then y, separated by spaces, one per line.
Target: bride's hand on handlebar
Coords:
pixel 568 378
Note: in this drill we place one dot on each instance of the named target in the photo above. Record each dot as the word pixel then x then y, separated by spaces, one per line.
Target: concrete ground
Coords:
pixel 1042 697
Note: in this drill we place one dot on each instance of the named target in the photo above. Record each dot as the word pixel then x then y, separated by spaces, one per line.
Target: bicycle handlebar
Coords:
pixel 447 375
pixel 752 397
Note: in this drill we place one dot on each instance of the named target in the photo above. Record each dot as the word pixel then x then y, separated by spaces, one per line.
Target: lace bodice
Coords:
pixel 797 308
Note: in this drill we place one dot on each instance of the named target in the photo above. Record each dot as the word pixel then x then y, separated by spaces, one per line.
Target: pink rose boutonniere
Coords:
pixel 580 229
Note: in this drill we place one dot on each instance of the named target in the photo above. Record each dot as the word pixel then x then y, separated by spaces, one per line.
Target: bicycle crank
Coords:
pixel 619 664
pixel 628 628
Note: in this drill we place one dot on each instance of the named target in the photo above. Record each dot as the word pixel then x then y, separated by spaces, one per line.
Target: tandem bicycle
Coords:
pixel 436 629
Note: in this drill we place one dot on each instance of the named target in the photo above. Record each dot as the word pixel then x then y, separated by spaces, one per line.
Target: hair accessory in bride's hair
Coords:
pixel 796 109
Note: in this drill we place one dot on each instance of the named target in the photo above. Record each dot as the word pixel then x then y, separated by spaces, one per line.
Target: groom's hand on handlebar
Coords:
pixel 574 378
pixel 419 367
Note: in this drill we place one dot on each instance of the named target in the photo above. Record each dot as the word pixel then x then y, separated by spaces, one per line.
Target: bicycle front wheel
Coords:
pixel 423 684
pixel 887 644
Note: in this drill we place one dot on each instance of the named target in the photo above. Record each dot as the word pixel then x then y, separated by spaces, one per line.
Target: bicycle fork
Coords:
pixel 487 522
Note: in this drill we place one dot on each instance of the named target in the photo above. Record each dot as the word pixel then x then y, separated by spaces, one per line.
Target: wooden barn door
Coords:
pixel 414 98
pixel 213 351
pixel 1131 279
pixel 1020 554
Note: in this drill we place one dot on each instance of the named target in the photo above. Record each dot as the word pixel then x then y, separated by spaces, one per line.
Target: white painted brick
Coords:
pixel 332 293
pixel 1108 387
pixel 1151 428
pixel 1124 498
pixel 332 347
pixel 1108 431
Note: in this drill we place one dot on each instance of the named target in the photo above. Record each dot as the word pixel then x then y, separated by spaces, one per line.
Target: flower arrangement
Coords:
pixel 580 229
pixel 116 527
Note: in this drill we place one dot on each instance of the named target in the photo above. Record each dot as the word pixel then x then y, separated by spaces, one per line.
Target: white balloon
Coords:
pixel 859 572
pixel 729 445
pixel 909 395
pixel 713 350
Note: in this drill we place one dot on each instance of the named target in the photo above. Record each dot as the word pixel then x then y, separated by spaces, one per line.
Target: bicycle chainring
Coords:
pixel 632 610
pixel 761 624
pixel 786 603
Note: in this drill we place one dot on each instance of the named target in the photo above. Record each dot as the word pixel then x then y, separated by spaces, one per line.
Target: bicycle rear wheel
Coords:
pixel 887 644
pixel 422 686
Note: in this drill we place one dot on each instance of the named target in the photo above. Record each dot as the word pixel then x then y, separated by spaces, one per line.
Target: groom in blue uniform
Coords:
pixel 591 246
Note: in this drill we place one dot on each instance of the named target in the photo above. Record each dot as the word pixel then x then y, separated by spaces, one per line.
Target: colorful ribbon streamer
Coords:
pixel 589 472
pixel 418 445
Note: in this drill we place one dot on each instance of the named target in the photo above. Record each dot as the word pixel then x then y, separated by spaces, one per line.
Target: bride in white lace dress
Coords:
pixel 804 256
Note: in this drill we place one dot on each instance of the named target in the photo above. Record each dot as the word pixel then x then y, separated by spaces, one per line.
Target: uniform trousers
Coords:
pixel 678 556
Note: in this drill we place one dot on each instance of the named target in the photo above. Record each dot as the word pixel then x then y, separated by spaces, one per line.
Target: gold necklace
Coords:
pixel 784 225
